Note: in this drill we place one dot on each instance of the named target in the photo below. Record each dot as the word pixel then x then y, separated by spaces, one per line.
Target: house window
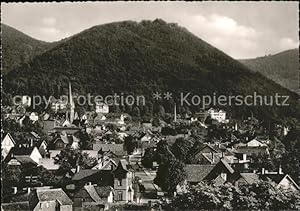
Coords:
pixel 120 196
pixel 120 182
pixel 47 204
pixel 59 144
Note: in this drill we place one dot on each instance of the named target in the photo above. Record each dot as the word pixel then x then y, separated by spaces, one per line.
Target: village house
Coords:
pixel 217 174
pixel 98 197
pixel 63 140
pixel 48 163
pixel 120 178
pixel 101 107
pixel 24 154
pixel 6 145
pixel 50 200
pixel 123 181
pixel 34 116
pixel 218 115
pixel 117 149
pixel 279 178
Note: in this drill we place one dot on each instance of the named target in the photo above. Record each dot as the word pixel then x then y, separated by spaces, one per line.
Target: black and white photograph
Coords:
pixel 151 106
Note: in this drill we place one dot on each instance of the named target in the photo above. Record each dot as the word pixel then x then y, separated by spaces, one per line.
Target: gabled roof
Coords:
pixel 22 150
pixel 93 193
pixel 53 195
pixel 277 178
pixel 10 137
pixel 103 191
pixel 48 163
pixel 122 166
pixel 84 173
pixel 250 178
pixel 197 173
pixel 25 159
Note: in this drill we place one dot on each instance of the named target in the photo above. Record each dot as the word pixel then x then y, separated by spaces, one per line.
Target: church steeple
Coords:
pixel 71 104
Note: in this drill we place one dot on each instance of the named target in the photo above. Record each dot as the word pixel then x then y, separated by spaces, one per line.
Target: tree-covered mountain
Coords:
pixel 141 58
pixel 282 68
pixel 19 48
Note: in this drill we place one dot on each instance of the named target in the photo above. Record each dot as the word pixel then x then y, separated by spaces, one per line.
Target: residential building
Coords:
pixel 6 145
pixel 50 200
pixel 123 179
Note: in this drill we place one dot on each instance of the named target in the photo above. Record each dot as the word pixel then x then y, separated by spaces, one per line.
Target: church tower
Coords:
pixel 71 105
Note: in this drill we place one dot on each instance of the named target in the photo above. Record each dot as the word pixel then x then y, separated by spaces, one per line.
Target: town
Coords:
pixel 62 159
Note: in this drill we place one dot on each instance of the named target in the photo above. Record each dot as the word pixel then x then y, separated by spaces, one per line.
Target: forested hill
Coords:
pixel 141 58
pixel 19 48
pixel 282 68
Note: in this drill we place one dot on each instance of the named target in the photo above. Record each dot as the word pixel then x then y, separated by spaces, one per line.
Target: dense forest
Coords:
pixel 19 48
pixel 141 58
pixel 283 68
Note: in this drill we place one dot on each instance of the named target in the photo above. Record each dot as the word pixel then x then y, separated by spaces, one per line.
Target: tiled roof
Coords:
pixel 103 191
pixel 25 159
pixel 15 206
pixel 48 163
pixel 250 178
pixel 84 173
pixel 22 150
pixel 93 193
pixel 197 173
pixel 108 147
pixel 54 195
pixel 123 164
pixel 252 150
pixel 274 177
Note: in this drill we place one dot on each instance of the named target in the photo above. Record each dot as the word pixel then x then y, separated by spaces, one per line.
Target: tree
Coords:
pixel 262 161
pixel 264 195
pixel 86 141
pixel 163 153
pixel 12 176
pixel 290 160
pixel 70 158
pixel 180 149
pixel 46 177
pixel 136 113
pixel 170 174
pixel 130 144
pixel 148 158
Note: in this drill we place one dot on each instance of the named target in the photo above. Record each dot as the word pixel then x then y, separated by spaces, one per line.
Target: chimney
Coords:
pixel 78 168
pixel 280 170
pixel 15 190
pixel 28 190
pixel 212 157
pixel 263 171
pixel 31 142
pixel 223 154
pixel 244 157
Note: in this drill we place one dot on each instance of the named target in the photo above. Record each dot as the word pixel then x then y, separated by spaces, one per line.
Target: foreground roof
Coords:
pixel 197 173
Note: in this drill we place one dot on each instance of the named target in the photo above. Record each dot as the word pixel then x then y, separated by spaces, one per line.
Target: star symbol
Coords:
pixel 156 96
pixel 167 95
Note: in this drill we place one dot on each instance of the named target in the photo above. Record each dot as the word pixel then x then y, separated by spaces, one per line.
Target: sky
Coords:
pixel 240 29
